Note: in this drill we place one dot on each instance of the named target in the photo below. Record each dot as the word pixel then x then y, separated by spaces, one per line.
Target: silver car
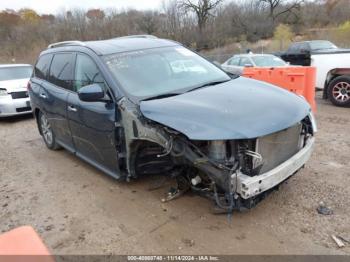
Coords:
pixel 14 99
pixel 237 63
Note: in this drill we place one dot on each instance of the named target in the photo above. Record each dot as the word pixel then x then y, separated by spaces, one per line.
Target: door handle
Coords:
pixel 42 95
pixel 72 109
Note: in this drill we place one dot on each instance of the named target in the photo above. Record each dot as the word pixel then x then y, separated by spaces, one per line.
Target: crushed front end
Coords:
pixel 235 174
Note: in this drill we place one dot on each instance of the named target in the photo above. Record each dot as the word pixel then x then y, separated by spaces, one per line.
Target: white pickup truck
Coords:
pixel 332 67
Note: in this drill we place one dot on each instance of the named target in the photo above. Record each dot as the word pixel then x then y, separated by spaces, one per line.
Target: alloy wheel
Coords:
pixel 341 92
pixel 46 130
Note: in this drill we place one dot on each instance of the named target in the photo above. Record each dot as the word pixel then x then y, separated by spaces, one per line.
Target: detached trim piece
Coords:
pixel 251 186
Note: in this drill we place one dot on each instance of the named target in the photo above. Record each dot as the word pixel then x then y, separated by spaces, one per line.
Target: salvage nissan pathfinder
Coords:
pixel 126 107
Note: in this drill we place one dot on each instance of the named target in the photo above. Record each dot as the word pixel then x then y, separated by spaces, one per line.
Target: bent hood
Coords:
pixel 239 109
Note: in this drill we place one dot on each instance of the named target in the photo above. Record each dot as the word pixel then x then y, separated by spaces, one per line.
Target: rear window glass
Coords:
pixel 42 66
pixel 319 45
pixel 12 73
pixel 61 70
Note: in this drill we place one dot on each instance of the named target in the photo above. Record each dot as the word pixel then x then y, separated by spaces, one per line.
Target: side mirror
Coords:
pixel 91 93
pixel 248 65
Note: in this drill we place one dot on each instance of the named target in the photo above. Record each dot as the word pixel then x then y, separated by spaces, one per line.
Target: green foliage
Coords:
pixel 341 34
pixel 29 15
pixel 283 33
pixel 344 29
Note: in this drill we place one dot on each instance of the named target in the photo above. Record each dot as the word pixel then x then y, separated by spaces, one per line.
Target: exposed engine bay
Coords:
pixel 235 174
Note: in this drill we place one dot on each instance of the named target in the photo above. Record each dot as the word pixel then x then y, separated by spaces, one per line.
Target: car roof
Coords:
pixel 13 65
pixel 115 45
pixel 253 55
pixel 312 41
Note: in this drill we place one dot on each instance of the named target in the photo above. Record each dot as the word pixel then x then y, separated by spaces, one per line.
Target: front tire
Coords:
pixel 47 133
pixel 339 91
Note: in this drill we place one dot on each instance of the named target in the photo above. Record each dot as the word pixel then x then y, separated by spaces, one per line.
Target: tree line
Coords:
pixel 199 24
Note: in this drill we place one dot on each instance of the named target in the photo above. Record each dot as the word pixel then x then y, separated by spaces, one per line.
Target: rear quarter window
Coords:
pixel 41 69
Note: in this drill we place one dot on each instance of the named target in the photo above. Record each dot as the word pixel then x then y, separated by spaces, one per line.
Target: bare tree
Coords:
pixel 203 9
pixel 148 22
pixel 280 7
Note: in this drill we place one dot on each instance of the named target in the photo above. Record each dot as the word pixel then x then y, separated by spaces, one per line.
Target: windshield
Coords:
pixel 268 61
pixel 12 73
pixel 169 70
pixel 319 45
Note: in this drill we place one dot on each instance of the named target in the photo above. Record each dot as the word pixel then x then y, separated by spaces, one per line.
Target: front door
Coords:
pixel 93 123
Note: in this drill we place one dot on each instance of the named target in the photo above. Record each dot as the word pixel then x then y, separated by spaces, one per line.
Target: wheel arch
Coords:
pixel 332 74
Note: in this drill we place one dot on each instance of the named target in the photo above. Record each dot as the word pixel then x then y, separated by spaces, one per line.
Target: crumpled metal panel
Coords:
pixel 239 109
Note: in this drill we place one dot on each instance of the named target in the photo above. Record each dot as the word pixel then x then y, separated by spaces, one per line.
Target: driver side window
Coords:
pixel 87 73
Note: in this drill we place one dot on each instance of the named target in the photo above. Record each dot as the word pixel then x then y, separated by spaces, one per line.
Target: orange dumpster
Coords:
pixel 23 244
pixel 297 79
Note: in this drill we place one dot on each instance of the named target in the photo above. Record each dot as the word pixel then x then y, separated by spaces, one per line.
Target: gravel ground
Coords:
pixel 78 210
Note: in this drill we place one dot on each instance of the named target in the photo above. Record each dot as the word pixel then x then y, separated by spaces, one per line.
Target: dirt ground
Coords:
pixel 78 210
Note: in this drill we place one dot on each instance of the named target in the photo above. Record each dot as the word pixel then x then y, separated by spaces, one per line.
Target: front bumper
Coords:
pixel 12 107
pixel 248 186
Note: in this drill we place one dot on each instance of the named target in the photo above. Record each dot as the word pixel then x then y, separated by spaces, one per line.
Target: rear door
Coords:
pixel 304 57
pixel 40 74
pixel 54 96
pixel 93 123
pixel 298 54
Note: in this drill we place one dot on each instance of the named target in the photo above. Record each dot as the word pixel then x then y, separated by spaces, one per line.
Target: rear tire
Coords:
pixel 47 132
pixel 339 91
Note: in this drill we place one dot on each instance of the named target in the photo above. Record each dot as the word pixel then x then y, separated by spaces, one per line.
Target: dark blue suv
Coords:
pixel 140 105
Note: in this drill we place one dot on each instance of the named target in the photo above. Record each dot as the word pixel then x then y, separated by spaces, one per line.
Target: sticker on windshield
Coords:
pixel 184 51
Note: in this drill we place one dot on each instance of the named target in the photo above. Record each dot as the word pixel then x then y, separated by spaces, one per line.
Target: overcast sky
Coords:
pixel 54 6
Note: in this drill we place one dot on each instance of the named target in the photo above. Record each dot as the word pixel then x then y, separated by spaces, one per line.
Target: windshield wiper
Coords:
pixel 213 83
pixel 160 96
pixel 189 90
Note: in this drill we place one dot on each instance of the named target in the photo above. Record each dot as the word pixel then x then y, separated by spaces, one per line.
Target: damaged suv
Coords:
pixel 126 106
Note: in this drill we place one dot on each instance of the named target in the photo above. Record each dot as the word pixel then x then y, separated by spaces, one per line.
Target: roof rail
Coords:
pixel 137 36
pixel 66 43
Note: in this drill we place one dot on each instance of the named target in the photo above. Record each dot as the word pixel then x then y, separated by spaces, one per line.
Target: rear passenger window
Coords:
pixel 61 70
pixel 87 73
pixel 42 67
pixel 234 61
pixel 245 61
